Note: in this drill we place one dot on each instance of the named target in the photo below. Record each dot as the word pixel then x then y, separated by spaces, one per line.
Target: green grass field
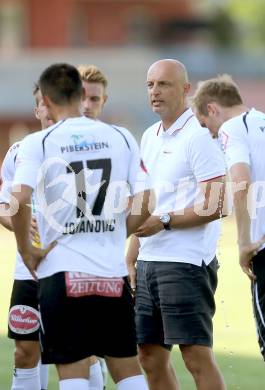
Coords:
pixel 235 346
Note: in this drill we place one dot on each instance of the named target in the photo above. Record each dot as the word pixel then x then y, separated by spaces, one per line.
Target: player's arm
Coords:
pixel 29 162
pixel 236 146
pixel 140 210
pixel 7 175
pixel 241 179
pixel 21 220
pixel 5 220
pixel 208 210
pixel 131 258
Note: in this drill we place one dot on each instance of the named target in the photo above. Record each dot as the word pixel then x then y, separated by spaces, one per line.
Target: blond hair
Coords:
pixel 222 90
pixel 91 74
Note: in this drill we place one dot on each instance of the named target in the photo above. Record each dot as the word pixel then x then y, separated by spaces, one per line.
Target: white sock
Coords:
pixel 74 384
pixel 104 370
pixel 44 376
pixel 133 382
pixel 95 377
pixel 26 379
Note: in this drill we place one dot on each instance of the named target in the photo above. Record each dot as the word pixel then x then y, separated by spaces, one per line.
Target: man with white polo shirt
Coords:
pixel 176 274
pixel 81 188
pixel 219 106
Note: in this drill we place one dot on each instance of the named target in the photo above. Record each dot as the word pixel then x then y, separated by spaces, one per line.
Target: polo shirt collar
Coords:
pixel 178 124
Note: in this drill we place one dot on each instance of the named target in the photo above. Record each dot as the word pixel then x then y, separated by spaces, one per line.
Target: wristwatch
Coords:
pixel 165 219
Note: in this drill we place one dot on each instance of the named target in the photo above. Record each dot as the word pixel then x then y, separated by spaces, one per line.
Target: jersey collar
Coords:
pixel 178 124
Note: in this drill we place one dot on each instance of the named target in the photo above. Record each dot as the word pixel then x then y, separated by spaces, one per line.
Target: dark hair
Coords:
pixel 61 83
pixel 36 89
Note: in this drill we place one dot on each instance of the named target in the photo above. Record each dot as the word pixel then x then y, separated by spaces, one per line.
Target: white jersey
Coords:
pixel 80 170
pixel 176 160
pixel 7 174
pixel 243 140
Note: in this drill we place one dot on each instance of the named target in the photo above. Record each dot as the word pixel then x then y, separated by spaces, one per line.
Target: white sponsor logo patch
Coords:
pixel 23 319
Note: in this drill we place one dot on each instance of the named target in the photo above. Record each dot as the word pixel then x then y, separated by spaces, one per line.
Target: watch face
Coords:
pixel 165 218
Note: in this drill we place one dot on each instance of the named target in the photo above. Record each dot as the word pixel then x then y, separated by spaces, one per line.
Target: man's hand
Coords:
pixel 34 232
pixel 151 226
pixel 33 257
pixel 246 253
pixel 132 274
pixel 131 259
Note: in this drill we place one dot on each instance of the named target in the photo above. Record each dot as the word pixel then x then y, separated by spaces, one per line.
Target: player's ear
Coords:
pixel 211 108
pixel 46 100
pixel 36 113
pixel 187 87
pixel 105 98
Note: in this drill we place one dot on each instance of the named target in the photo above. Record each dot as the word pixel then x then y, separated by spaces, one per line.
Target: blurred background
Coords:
pixel 123 37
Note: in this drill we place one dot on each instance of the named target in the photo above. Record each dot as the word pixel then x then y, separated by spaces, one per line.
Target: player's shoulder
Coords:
pixel 152 130
pixel 255 116
pixel 237 124
pixel 194 132
pixel 14 147
pixel 10 158
pixel 119 129
pixel 241 121
pixel 31 140
pixel 150 134
pixel 11 155
pixel 12 151
pixel 39 135
pixel 126 134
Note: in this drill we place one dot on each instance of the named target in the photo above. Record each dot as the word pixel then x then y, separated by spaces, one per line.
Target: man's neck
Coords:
pixel 168 121
pixel 231 112
pixel 61 113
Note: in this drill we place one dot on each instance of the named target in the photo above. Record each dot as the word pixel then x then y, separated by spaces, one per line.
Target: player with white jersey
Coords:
pixel 219 106
pixel 95 96
pixel 6 177
pixel 23 322
pixel 23 318
pixel 81 170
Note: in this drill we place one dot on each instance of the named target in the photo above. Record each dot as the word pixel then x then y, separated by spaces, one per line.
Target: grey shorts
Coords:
pixel 175 303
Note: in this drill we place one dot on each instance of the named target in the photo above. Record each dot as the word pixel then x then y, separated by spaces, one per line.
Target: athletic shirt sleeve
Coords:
pixel 234 141
pixel 8 172
pixel 206 159
pixel 29 160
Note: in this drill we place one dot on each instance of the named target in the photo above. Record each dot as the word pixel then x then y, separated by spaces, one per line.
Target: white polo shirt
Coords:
pixel 7 174
pixel 176 160
pixel 243 141
pixel 80 170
